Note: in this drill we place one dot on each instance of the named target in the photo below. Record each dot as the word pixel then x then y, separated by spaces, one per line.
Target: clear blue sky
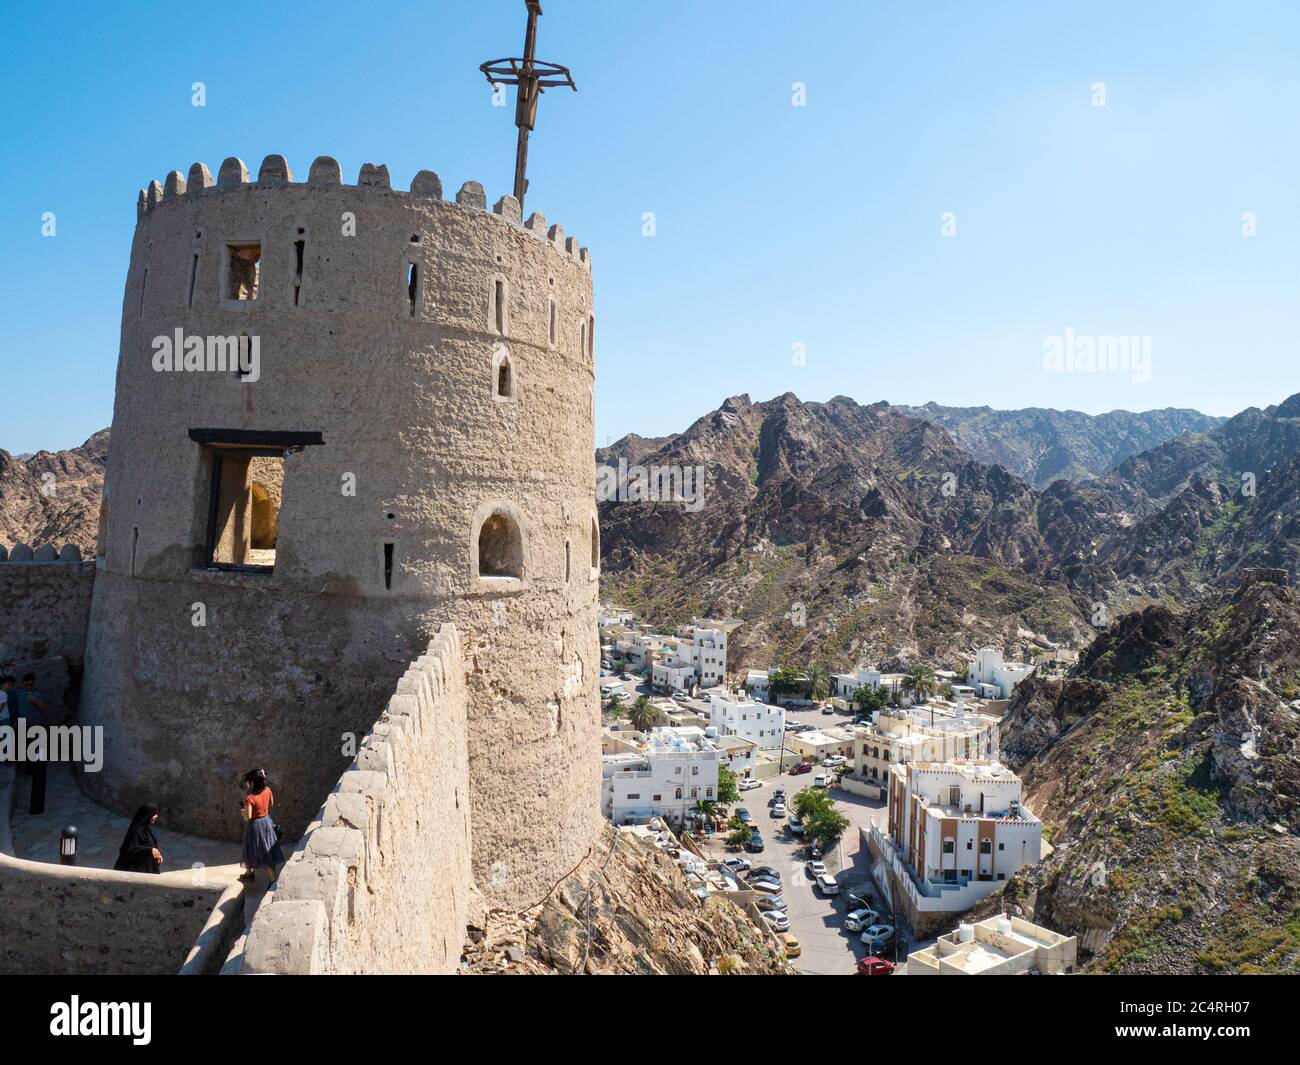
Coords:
pixel 775 225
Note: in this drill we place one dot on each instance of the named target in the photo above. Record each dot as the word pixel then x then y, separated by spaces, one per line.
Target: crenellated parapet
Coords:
pixel 233 177
pixel 21 552
pixel 380 880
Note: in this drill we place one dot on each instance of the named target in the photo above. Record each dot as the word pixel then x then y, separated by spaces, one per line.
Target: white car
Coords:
pixel 860 919
pixel 777 920
pixel 749 784
pixel 877 935
pixel 821 780
pixel 767 887
pixel 778 809
pixel 836 759
pixel 681 697
pixel 738 865
pixel 815 869
pixel 828 884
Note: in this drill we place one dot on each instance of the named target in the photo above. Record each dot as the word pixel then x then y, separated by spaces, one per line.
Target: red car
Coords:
pixel 802 767
pixel 875 967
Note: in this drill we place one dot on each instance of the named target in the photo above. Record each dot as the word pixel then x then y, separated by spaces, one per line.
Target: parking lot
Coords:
pixel 816 919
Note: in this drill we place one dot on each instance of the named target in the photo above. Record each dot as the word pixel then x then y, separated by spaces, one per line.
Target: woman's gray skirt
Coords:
pixel 261 848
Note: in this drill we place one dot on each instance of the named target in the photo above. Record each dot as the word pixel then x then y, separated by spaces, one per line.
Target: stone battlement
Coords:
pixel 21 552
pixel 380 880
pixel 325 172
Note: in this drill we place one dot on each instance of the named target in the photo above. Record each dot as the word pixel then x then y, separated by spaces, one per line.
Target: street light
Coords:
pixel 68 846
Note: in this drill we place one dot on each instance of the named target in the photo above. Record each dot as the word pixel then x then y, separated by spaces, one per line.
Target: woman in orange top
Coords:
pixel 261 838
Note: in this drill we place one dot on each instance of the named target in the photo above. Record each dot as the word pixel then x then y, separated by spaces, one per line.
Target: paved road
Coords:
pixel 818 920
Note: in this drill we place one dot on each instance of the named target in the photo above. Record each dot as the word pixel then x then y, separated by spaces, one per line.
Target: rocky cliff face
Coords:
pixel 625 911
pixel 53 497
pixel 1166 769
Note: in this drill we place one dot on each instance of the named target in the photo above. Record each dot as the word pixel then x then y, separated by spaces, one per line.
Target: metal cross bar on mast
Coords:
pixel 532 76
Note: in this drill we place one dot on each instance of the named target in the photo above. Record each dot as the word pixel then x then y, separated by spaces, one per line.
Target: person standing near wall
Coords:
pixel 32 705
pixel 139 852
pixel 261 837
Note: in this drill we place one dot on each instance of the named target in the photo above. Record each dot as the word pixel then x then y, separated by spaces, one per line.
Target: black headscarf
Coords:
pixel 136 853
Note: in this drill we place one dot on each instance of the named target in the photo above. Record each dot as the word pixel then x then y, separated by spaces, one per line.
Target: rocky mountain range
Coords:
pixel 52 497
pixel 865 534
pixel 1165 768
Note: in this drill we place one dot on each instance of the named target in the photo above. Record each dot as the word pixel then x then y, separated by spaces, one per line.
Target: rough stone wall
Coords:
pixel 57 919
pixel 405 399
pixel 44 611
pixel 381 881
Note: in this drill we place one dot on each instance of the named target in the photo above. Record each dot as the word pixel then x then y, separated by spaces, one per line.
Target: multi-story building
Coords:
pixel 756 683
pixel 960 823
pixel 738 715
pixel 666 772
pixel 698 657
pixel 934 732
pixel 998 946
pixel 992 678
pixel 846 685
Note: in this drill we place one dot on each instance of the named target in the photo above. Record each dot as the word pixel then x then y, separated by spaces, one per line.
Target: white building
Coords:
pixel 846 685
pixel 666 772
pixel 993 678
pixel 937 731
pixel 998 946
pixel 959 828
pixel 737 715
pixel 698 657
pixel 756 683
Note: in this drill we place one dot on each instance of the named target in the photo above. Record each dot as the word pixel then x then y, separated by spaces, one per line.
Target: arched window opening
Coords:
pixel 503 374
pixel 500 548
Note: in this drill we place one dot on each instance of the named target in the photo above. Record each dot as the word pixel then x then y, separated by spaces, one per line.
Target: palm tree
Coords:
pixel 817 676
pixel 921 682
pixel 643 714
pixel 615 703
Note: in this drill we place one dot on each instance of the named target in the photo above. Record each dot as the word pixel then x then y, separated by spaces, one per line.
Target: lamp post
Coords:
pixel 68 846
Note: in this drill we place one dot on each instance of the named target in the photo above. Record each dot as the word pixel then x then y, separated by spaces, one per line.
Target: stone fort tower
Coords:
pixel 412 445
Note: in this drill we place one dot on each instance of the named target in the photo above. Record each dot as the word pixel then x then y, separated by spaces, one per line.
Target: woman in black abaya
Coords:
pixel 139 851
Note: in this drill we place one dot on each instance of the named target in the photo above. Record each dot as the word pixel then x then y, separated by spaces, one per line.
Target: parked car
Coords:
pixel 836 759
pixel 737 865
pixel 681 697
pixel 796 825
pixel 828 884
pixel 767 871
pixel 857 920
pixel 858 902
pixel 821 780
pixel 779 795
pixel 746 818
pixel 767 887
pixel 875 967
pixel 777 920
pixel 877 935
pixel 814 869
pixel 771 902
pixel 778 810
pixel 755 844
pixel 802 767
pixel 828 709
pixel 749 784
pixel 792 948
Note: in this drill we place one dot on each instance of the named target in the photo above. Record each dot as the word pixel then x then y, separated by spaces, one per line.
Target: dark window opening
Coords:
pixel 591 336
pixel 500 548
pixel 243 261
pixel 552 322
pixel 388 566
pixel 194 274
pixel 412 287
pixel 244 508
pixel 299 247
pixel 595 545
pixel 567 553
pixel 144 284
pixel 505 381
pixel 500 306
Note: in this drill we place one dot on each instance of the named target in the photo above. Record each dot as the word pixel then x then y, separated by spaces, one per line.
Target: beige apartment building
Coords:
pixel 933 732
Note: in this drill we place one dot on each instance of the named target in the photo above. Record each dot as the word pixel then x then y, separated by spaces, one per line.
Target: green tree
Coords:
pixel 739 834
pixel 869 699
pixel 817 678
pixel 643 714
pixel 728 791
pixel 615 703
pixel 828 828
pixel 921 682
